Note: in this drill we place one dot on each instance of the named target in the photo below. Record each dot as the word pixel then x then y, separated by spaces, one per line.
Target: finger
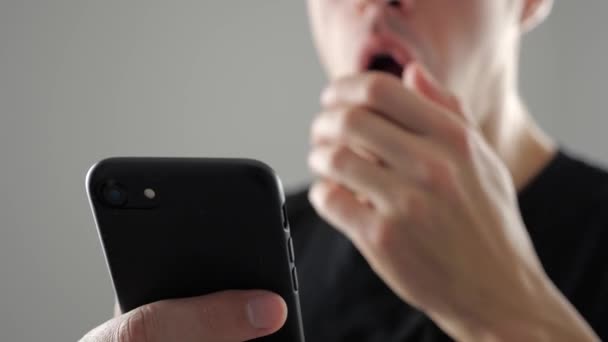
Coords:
pixel 341 209
pixel 359 128
pixel 117 311
pixel 340 126
pixel 418 79
pixel 343 166
pixel 385 95
pixel 225 316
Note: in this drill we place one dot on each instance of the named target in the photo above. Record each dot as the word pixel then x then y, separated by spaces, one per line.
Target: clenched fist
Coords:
pixel 406 174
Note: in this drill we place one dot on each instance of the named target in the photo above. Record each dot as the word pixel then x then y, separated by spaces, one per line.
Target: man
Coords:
pixel 443 210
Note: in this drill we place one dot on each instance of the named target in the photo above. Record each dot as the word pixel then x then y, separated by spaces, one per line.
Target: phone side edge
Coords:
pixel 88 186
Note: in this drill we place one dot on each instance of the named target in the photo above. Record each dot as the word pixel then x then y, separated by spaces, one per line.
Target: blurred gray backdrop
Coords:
pixel 81 80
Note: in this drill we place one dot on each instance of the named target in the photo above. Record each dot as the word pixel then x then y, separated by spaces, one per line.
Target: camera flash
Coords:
pixel 149 193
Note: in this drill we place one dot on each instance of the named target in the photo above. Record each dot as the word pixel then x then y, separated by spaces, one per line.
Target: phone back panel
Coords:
pixel 213 225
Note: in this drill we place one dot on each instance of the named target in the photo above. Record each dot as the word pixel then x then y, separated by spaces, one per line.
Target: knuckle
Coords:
pixel 338 159
pixel 440 175
pixel 315 127
pixel 326 195
pixel 349 120
pixel 375 86
pixel 383 235
pixel 410 210
pixel 411 207
pixel 136 326
pixel 325 198
pixel 331 195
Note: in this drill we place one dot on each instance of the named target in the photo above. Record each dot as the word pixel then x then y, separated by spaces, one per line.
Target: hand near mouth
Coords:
pixel 406 175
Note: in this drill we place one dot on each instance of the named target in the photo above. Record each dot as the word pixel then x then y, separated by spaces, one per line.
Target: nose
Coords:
pixel 401 5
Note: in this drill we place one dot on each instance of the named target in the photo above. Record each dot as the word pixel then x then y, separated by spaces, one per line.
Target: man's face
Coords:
pixel 461 42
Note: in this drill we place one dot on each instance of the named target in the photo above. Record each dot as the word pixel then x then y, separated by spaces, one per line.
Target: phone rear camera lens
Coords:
pixel 114 195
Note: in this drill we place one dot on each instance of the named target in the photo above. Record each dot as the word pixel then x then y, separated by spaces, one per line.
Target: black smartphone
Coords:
pixel 184 227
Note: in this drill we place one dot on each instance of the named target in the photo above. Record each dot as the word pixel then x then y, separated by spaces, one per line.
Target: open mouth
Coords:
pixel 386 63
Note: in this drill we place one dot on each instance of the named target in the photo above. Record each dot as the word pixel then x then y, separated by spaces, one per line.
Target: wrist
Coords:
pixel 539 313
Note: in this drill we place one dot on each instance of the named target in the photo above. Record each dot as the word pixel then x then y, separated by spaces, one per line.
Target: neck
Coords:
pixel 507 125
pixel 517 140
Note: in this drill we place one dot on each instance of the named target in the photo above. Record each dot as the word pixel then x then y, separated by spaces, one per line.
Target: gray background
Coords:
pixel 81 80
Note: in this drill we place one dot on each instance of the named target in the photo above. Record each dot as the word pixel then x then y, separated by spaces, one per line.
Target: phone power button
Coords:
pixel 294 278
pixel 292 256
pixel 285 217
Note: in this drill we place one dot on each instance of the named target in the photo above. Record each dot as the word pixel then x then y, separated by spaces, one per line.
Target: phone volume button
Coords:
pixel 284 216
pixel 294 278
pixel 292 256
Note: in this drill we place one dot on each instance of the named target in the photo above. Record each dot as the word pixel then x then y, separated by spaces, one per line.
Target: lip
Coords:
pixel 387 45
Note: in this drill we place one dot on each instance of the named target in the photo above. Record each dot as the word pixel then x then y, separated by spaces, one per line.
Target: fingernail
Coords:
pixel 326 96
pixel 409 75
pixel 262 311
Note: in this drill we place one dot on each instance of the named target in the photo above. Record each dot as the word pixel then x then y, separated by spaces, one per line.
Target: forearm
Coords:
pixel 543 314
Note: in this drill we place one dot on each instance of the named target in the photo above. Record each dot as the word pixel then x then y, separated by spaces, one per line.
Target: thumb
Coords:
pixel 419 80
pixel 224 316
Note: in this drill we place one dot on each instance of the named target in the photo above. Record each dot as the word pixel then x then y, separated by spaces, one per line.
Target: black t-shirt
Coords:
pixel 565 209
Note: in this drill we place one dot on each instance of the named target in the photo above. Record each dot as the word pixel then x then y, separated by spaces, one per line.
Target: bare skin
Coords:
pixel 231 316
pixel 421 171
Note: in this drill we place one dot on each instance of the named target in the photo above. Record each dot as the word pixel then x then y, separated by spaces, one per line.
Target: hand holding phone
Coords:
pixel 174 228
pixel 225 316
